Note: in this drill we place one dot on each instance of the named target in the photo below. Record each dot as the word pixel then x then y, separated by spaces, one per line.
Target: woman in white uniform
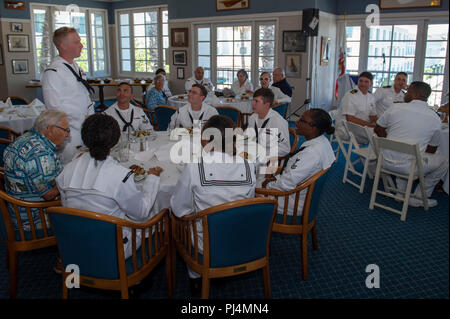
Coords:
pixel 218 178
pixel 313 156
pixel 242 85
pixel 95 181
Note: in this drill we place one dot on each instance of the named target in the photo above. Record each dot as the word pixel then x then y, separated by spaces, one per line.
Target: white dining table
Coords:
pixel 20 118
pixel 243 105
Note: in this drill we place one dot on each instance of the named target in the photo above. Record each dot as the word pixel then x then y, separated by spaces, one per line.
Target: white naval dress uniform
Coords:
pixel 239 90
pixel 205 82
pixel 414 122
pixel 99 186
pixel 314 155
pixel 139 121
pixel 62 91
pixel 278 95
pixel 385 97
pixel 185 116
pixel 217 179
pixel 357 104
pixel 272 120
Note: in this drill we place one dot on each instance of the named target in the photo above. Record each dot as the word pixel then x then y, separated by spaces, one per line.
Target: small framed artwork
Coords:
pixel 180 73
pixel 18 43
pixel 293 68
pixel 398 4
pixel 20 66
pixel 325 50
pixel 294 41
pixel 222 5
pixel 15 5
pixel 16 27
pixel 179 37
pixel 179 57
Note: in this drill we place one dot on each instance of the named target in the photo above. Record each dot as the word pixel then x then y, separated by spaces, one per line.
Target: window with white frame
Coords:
pixel 434 65
pixel 223 49
pixel 417 46
pixel 143 40
pixel 91 26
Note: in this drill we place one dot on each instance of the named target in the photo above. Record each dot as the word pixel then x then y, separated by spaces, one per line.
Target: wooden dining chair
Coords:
pixel 295 223
pixel 236 238
pixel 27 232
pixel 15 100
pixel 151 117
pixel 163 114
pixel 95 243
pixel 281 108
pixel 8 134
pixel 232 112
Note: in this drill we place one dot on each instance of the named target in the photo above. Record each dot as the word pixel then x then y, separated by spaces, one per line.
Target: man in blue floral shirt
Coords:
pixel 32 162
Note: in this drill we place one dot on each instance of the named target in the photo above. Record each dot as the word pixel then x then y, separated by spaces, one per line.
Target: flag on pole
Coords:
pixel 341 61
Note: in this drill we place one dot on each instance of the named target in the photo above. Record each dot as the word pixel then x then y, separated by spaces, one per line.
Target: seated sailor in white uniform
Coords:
pixel 218 178
pixel 357 106
pixel 242 85
pixel 279 97
pixel 266 121
pixel 414 122
pixel 95 181
pixel 193 111
pixel 199 78
pixel 128 116
pixel 387 96
pixel 315 155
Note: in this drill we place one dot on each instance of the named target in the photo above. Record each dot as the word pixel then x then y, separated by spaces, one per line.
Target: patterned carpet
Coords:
pixel 412 257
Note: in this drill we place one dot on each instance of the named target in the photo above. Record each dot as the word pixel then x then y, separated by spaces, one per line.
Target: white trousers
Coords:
pixel 435 167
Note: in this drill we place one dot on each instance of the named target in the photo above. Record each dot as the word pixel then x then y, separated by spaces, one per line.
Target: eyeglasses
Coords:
pixel 67 130
pixel 261 79
pixel 303 121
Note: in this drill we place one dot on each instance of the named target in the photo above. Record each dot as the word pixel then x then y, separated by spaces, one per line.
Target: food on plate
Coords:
pixel 181 97
pixel 244 155
pixel 138 170
pixel 190 131
pixel 245 98
pixel 229 99
pixel 142 133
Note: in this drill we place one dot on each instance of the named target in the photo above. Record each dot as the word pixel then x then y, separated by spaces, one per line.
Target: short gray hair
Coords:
pixel 159 76
pixel 48 118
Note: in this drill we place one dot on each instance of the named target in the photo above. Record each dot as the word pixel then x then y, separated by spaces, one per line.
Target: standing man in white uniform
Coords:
pixel 199 78
pixel 194 110
pixel 126 114
pixel 386 96
pixel 357 106
pixel 414 122
pixel 264 120
pixel 65 88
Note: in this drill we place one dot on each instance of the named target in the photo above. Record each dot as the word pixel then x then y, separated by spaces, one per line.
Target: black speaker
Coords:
pixel 310 22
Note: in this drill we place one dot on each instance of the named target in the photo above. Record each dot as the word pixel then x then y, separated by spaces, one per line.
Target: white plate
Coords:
pixel 138 178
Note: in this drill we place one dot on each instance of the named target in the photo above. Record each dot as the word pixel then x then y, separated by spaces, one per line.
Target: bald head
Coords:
pixel 278 75
pixel 199 72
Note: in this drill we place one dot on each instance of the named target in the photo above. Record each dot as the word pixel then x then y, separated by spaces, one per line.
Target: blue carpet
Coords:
pixel 412 257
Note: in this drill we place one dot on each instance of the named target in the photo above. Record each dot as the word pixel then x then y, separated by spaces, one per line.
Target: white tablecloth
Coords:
pixel 245 106
pixel 443 149
pixel 19 117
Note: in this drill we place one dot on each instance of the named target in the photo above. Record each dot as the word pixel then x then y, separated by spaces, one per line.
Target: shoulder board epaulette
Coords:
pixel 353 91
pixel 50 69
pixel 386 86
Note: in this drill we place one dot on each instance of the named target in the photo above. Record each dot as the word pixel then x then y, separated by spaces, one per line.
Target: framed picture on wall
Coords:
pixel 294 41
pixel 293 66
pixel 20 66
pixel 180 73
pixel 398 4
pixel 179 37
pixel 222 5
pixel 18 43
pixel 179 57
pixel 16 27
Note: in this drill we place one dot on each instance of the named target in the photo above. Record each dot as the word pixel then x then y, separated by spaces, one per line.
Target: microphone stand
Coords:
pixel 306 102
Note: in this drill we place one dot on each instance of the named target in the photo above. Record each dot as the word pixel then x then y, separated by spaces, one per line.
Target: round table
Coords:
pixel 20 118
pixel 245 106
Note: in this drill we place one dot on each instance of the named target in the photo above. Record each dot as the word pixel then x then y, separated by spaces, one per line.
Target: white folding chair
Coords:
pixel 333 136
pixel 365 155
pixel 382 144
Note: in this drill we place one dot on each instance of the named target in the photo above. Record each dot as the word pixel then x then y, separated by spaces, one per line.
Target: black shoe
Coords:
pixel 196 286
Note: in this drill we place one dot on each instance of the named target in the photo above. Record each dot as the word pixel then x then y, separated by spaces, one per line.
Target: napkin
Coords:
pixel 144 156
pixel 36 102
pixel 8 102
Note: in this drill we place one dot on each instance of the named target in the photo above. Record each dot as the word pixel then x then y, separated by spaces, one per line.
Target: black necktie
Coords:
pixel 163 94
pixel 80 79
pixel 192 119
pixel 289 157
pixel 127 124
pixel 262 126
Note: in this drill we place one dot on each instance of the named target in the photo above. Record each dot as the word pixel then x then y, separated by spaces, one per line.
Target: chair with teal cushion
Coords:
pixel 299 223
pixel 8 134
pixel 94 242
pixel 232 112
pixel 20 234
pixel 236 239
pixel 163 114
pixel 281 108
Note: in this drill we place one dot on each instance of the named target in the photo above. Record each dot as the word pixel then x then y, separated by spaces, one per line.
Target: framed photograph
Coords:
pixel 325 50
pixel 179 57
pixel 18 43
pixel 222 5
pixel 294 41
pixel 402 4
pixel 179 37
pixel 293 67
pixel 15 5
pixel 16 27
pixel 180 73
pixel 20 66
